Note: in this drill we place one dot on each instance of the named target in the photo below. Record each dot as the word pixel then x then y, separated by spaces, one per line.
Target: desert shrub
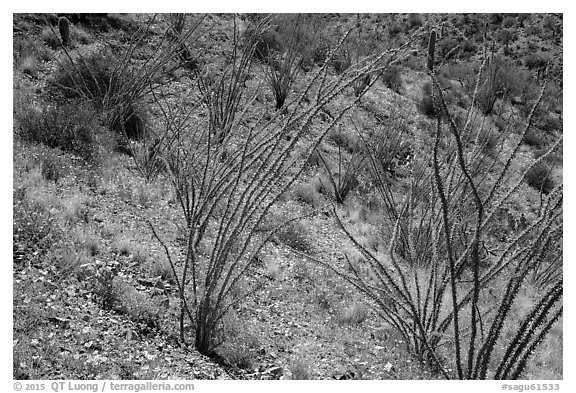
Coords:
pixel 122 246
pixel 268 42
pixel 52 167
pixel 240 348
pixel 549 122
pixel 533 139
pixel 392 79
pixel 539 178
pixel 488 138
pixel 344 139
pixel 426 102
pixel 67 126
pixel 102 287
pixel 113 293
pixel 138 306
pixel 80 36
pixel 394 29
pixel 338 180
pixel 50 38
pixel 536 60
pixel 87 240
pixel 496 18
pixel 313 160
pixel 320 52
pixel 508 22
pixel 501 79
pixel 294 236
pixel 140 255
pixel 338 185
pixel 75 210
pixel 341 61
pixel 160 267
pixel 35 231
pixel 29 46
pixel 117 85
pixel 239 357
pixel 414 21
pixel 549 24
pixel 264 43
pixel 447 48
pixel 468 47
pixel 97 79
pixel 89 76
pixel 283 70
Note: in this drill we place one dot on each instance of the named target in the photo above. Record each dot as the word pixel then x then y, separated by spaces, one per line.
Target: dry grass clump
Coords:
pixel 122 246
pixel 300 370
pixel 75 209
pixel 86 239
pixel 353 314
pixel 159 266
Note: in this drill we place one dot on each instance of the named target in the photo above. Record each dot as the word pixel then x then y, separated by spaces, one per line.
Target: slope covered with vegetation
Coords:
pixel 372 196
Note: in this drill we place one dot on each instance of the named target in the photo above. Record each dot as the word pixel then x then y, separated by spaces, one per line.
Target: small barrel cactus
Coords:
pixel 64 28
pixel 431 48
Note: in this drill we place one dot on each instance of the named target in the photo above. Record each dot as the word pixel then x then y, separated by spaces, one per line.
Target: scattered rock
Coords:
pixel 276 371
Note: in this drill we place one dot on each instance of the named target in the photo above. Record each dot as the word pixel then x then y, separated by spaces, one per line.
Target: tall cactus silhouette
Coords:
pixel 64 28
pixel 431 47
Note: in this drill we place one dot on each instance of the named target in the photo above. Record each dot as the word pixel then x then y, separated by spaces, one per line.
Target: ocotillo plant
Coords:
pixel 64 29
pixel 226 186
pixel 439 285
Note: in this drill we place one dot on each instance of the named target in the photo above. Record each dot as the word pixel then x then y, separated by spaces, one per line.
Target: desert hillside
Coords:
pixel 274 196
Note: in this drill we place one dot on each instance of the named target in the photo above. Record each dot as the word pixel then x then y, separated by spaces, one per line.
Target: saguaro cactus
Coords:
pixel 64 28
pixel 431 47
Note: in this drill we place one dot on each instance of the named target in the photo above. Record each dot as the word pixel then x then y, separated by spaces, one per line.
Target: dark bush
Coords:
pixel 538 177
pixel 508 22
pixel 392 78
pixel 533 139
pixel 265 44
pixel 134 125
pixel 341 61
pixel 90 77
pixel 415 20
pixel 536 60
pixel 468 47
pixel 320 52
pixel 394 29
pixel 95 79
pixel 294 236
pixel 426 103
pixel 52 167
pixel 70 127
pixel 496 19
pixel 549 122
pixel 346 140
pixel 24 47
pixel 447 48
pixel 549 23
